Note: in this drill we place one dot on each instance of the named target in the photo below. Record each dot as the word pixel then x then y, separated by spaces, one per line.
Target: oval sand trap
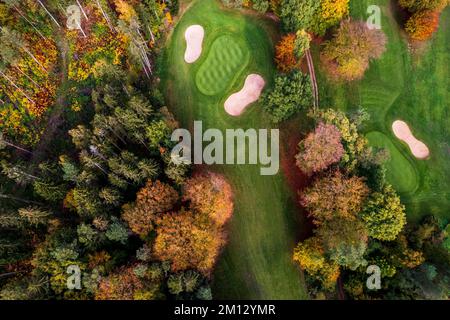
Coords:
pixel 237 102
pixel 418 148
pixel 194 40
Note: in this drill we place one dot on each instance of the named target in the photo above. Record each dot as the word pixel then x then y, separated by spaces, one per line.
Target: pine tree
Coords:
pixel 34 215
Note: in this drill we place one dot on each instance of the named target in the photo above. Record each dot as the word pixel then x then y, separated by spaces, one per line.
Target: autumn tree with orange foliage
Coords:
pixel 419 5
pixel 125 10
pixel 347 55
pixel 422 24
pixel 189 240
pixel 210 194
pixel 124 284
pixel 424 20
pixel 334 195
pixel 285 56
pixel 155 197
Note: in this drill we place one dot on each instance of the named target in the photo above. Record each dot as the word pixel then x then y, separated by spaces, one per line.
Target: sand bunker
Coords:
pixel 194 39
pixel 418 148
pixel 237 102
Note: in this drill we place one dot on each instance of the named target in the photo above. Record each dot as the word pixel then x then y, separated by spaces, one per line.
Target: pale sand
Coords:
pixel 194 39
pixel 237 102
pixel 418 148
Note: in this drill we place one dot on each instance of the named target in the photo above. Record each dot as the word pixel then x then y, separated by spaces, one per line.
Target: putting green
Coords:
pixel 400 173
pixel 227 58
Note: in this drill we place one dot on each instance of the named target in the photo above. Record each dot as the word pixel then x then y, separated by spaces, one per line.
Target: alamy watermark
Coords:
pixel 234 146
pixel 74 278
pixel 374 280
pixel 374 20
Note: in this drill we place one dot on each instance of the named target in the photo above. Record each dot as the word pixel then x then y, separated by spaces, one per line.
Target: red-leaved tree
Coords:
pixel 320 149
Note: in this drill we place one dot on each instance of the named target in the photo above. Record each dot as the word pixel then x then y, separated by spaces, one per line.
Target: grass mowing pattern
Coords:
pixel 400 173
pixel 226 60
pixel 257 262
pixel 411 87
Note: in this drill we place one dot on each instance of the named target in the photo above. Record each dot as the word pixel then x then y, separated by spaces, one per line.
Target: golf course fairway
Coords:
pixel 257 262
pixel 411 85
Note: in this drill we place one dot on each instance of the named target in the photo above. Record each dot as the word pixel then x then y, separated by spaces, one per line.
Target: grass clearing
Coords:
pixel 257 262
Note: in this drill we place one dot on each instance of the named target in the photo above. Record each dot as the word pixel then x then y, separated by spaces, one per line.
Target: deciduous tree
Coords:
pixel 210 194
pixel 285 54
pixel 188 240
pixel 310 255
pixel 156 197
pixel 292 93
pixel 419 5
pixel 320 149
pixel 348 54
pixel 334 195
pixel 302 43
pixel 345 241
pixel 422 24
pixel 384 214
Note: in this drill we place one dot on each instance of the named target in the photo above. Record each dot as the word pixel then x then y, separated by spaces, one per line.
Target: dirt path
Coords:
pixel 55 120
pixel 312 74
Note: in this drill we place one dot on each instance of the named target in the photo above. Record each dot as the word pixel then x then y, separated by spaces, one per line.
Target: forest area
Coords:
pixel 89 188
pixel 86 175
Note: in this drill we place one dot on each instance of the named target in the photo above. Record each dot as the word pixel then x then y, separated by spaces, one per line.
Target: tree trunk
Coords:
pixel 105 16
pixel 82 31
pixel 31 23
pixel 28 77
pixel 82 10
pixel 48 12
pixel 6 196
pixel 34 58
pixel 151 34
pixel 8 274
pixel 15 86
pixel 16 147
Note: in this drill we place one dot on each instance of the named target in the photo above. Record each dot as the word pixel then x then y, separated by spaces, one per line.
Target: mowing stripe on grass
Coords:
pixel 227 58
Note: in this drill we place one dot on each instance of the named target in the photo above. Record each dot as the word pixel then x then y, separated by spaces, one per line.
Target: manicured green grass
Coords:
pixel 228 57
pixel 257 262
pixel 410 87
pixel 400 173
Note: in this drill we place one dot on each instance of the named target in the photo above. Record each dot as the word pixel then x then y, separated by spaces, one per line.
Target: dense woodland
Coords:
pixel 86 173
pixel 87 179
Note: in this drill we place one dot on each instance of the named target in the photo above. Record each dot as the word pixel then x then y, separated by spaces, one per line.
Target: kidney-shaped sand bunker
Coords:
pixel 194 43
pixel 417 147
pixel 250 93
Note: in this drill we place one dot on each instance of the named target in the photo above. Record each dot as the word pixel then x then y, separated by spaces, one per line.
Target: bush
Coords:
pixel 291 94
